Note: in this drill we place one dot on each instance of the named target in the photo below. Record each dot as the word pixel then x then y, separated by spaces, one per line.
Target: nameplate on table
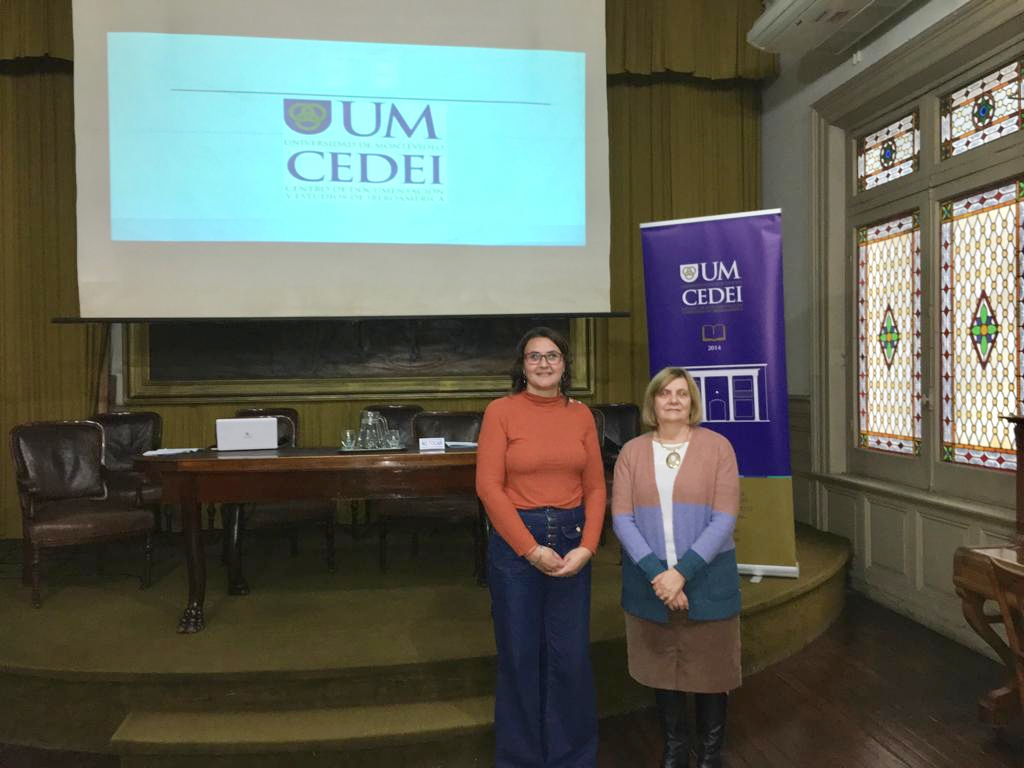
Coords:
pixel 432 444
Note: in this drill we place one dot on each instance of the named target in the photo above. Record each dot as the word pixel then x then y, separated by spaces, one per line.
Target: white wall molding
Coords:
pixel 991 514
pixel 911 575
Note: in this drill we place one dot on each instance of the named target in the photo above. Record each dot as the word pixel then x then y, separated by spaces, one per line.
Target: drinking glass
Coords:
pixel 348 439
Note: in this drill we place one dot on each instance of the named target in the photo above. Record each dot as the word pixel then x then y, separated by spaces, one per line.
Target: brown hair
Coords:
pixel 661 379
pixel 518 371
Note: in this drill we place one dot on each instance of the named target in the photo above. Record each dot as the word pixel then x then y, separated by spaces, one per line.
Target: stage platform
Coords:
pixel 355 668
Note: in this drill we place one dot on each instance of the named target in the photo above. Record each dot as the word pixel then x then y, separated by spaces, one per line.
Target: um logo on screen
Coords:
pixel 359 119
pixel 384 127
pixel 308 117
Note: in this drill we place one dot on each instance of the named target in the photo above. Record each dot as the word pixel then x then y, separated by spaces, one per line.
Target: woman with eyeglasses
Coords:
pixel 674 503
pixel 540 478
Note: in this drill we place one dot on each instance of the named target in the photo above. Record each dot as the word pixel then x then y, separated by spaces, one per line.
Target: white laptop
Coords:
pixel 246 434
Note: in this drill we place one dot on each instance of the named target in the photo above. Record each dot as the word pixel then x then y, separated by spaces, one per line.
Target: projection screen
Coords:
pixel 340 158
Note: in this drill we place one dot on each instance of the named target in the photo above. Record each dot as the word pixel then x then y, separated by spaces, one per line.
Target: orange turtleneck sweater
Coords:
pixel 539 452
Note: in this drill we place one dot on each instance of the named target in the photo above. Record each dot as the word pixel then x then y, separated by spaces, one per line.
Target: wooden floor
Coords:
pixel 876 691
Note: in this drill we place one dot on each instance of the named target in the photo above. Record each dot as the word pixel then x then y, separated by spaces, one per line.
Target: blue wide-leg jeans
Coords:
pixel 545 711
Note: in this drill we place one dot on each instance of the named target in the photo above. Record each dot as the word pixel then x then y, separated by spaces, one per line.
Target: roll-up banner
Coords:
pixel 714 307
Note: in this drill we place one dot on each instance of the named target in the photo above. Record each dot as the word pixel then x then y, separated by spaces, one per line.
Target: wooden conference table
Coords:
pixel 211 477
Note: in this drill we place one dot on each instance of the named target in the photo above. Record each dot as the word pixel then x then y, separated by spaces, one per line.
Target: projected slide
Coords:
pixel 249 139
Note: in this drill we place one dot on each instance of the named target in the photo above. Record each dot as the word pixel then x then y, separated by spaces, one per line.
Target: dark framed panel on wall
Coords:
pixel 205 361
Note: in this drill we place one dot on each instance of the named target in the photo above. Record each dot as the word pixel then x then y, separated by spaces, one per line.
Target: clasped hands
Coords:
pixel 668 586
pixel 549 562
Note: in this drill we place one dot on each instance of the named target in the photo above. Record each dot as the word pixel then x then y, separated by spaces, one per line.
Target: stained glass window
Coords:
pixel 889 153
pixel 982 287
pixel 983 111
pixel 889 335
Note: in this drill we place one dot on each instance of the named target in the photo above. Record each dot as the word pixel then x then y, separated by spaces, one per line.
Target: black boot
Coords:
pixel 672 716
pixel 710 728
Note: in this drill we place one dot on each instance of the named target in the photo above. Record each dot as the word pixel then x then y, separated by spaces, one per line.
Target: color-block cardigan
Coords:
pixel 705 502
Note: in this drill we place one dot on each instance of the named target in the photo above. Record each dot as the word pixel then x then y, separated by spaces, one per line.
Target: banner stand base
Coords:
pixel 759 571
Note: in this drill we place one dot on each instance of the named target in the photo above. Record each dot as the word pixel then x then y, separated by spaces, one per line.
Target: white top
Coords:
pixel 665 479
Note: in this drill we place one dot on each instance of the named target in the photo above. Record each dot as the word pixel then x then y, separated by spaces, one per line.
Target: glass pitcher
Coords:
pixel 373 429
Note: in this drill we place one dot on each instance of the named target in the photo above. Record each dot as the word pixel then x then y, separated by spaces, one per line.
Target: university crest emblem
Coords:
pixel 308 117
pixel 689 272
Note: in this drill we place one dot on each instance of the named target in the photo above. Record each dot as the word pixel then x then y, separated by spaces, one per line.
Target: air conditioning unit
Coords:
pixel 831 27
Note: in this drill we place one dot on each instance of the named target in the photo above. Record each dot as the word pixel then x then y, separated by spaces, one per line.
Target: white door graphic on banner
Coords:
pixel 732 392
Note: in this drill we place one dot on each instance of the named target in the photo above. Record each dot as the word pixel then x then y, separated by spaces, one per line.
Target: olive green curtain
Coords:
pixel 696 37
pixel 32 28
pixel 683 111
pixel 678 148
pixel 47 371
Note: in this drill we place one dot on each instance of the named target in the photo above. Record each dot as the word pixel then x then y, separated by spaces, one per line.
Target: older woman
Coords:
pixel 540 477
pixel 674 505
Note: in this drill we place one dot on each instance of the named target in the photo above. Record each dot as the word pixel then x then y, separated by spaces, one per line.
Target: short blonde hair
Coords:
pixel 661 379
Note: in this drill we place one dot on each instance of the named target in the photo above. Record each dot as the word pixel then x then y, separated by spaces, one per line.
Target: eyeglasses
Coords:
pixel 552 357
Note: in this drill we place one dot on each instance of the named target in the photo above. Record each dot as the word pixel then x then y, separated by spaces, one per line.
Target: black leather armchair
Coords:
pixel 599 426
pixel 64 502
pixel 617 424
pixel 287 423
pixel 127 435
pixel 621 424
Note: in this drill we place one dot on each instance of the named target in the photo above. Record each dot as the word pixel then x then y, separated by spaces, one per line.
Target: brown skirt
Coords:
pixel 684 655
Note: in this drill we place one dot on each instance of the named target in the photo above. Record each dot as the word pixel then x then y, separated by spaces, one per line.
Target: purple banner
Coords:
pixel 714 306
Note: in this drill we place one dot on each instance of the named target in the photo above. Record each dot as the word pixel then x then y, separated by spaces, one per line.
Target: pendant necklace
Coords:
pixel 673 460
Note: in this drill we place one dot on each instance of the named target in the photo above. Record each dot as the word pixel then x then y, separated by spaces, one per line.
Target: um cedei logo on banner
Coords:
pixel 724 284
